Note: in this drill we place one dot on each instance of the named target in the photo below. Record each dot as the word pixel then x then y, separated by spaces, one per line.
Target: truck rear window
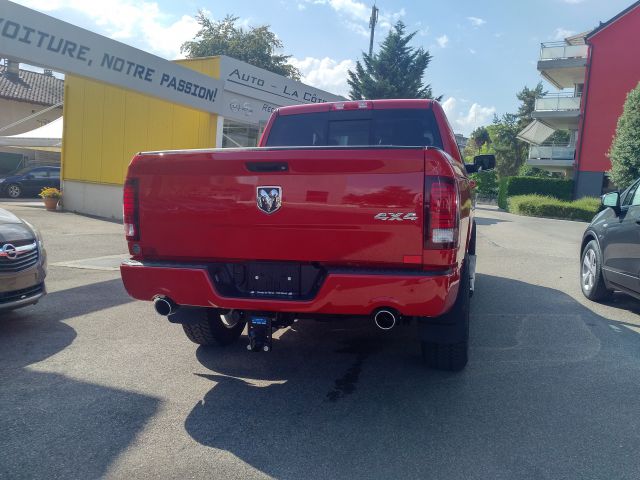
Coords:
pixel 393 127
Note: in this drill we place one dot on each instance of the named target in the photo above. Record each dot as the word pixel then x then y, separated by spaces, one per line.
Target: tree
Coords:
pixel 559 137
pixel 480 136
pixel 625 149
pixel 395 72
pixel 470 151
pixel 528 97
pixel 256 46
pixel 510 152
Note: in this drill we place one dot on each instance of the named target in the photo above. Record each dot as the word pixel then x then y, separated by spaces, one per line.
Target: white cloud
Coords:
pixel 476 21
pixel 442 41
pixel 325 73
pixel 472 51
pixel 466 121
pixel 133 21
pixel 388 20
pixel 562 33
pixel 357 28
pixel 356 14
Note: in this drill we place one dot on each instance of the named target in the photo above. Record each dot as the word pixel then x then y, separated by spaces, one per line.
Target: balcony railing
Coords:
pixel 551 152
pixel 560 50
pixel 557 102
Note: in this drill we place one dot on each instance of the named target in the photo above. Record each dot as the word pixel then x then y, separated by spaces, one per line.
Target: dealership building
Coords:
pixel 119 100
pixel 104 126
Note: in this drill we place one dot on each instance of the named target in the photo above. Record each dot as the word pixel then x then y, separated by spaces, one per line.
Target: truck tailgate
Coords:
pixel 338 206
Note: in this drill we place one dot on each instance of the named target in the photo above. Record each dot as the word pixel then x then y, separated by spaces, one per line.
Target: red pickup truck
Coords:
pixel 358 209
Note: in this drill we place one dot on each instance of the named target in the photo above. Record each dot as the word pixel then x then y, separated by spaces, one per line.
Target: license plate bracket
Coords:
pixel 277 280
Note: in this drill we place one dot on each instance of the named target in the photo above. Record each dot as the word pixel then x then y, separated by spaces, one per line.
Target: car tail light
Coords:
pixel 441 213
pixel 130 210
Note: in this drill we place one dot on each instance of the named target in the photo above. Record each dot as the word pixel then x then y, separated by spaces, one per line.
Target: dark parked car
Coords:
pixel 610 255
pixel 29 181
pixel 23 263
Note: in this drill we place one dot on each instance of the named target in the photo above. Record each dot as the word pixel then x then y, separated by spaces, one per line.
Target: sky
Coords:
pixel 484 51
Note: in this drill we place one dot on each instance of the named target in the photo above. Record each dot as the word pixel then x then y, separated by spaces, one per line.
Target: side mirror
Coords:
pixel 484 162
pixel 612 200
pixel 470 168
pixel 29 177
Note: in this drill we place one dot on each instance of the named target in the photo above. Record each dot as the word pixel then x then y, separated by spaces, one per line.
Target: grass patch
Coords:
pixel 550 207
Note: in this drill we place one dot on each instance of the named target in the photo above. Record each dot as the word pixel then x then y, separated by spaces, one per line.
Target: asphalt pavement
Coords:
pixel 96 385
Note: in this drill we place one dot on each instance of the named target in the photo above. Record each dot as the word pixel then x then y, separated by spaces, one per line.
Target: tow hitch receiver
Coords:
pixel 259 333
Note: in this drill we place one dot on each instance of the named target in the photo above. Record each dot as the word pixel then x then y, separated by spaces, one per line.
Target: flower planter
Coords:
pixel 51 203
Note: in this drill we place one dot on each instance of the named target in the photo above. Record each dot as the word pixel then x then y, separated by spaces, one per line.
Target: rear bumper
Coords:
pixel 423 294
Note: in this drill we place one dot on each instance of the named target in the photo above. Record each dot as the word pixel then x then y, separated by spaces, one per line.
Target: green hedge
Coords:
pixel 487 183
pixel 553 187
pixel 541 206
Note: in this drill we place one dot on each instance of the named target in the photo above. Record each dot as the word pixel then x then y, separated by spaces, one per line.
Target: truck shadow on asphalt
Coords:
pixel 550 392
pixel 52 425
pixel 489 221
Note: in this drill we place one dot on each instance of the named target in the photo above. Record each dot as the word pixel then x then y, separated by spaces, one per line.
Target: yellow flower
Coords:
pixel 50 192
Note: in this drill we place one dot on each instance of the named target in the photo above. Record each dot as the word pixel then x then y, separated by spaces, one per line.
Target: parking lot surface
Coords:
pixel 94 384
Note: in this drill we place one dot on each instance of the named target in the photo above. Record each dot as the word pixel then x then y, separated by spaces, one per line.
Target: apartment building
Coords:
pixel 592 72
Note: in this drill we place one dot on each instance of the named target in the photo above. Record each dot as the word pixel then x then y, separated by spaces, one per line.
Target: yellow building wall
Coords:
pixel 105 126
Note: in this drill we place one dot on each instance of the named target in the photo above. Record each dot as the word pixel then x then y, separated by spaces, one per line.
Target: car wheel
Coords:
pixel 216 329
pixel 445 344
pixel 14 191
pixel 591 280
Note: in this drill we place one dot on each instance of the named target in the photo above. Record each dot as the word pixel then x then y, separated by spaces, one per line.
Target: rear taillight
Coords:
pixel 441 213
pixel 130 209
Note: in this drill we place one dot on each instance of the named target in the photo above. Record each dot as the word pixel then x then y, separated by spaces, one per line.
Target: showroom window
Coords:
pixel 238 135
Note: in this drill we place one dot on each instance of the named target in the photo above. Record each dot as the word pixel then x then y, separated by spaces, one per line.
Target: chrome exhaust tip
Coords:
pixel 164 306
pixel 385 319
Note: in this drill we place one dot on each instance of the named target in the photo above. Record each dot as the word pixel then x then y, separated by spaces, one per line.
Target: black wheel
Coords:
pixel 215 330
pixel 14 191
pixel 445 342
pixel 591 279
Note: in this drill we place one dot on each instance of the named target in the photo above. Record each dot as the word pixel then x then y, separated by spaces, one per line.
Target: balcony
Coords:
pixel 559 111
pixel 562 51
pixel 551 157
pixel 563 64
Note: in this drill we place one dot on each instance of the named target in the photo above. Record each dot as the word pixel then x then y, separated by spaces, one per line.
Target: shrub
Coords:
pixel 625 149
pixel 487 183
pixel 553 187
pixel 544 206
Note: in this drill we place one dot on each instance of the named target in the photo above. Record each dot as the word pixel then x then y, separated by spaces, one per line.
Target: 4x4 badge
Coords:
pixel 269 199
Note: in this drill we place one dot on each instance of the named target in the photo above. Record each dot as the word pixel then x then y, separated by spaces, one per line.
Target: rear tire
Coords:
pixel 14 191
pixel 215 330
pixel 592 282
pixel 445 344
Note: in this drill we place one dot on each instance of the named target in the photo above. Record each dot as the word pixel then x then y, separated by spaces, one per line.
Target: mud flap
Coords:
pixel 472 273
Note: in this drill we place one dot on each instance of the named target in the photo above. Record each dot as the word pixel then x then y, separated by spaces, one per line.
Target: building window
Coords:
pixel 237 135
